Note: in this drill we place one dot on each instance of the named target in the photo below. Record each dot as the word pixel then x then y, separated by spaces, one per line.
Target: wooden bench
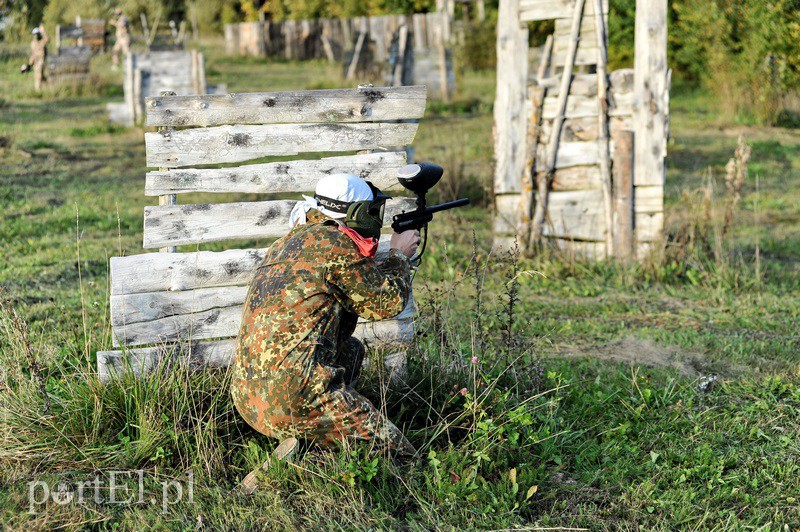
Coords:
pixel 189 304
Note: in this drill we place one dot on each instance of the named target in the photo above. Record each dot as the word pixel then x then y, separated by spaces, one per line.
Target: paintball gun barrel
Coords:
pixel 420 178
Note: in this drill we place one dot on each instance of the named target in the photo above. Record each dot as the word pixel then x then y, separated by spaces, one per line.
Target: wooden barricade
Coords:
pixel 71 64
pixel 189 304
pixel 589 176
pixel 85 32
pixel 148 74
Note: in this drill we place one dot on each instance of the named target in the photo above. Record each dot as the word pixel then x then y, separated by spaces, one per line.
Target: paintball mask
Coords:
pixel 366 217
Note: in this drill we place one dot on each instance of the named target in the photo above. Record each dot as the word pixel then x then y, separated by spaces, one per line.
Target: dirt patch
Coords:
pixel 641 352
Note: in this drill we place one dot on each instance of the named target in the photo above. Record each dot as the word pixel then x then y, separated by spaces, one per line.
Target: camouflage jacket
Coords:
pixel 301 307
pixel 39 49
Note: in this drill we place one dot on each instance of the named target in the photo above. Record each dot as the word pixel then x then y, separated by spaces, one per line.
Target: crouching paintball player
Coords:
pixel 38 58
pixel 296 359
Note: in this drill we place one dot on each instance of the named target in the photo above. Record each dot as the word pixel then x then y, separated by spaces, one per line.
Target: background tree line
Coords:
pixel 746 52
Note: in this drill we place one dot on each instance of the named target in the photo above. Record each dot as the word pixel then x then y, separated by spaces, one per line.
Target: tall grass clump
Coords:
pixel 478 409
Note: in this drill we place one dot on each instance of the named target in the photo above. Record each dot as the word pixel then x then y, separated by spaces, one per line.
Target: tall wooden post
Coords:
pixel 167 199
pixel 510 119
pixel 650 100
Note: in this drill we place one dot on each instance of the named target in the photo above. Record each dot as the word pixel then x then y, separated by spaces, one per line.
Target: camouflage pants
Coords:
pixel 340 415
pixel 38 74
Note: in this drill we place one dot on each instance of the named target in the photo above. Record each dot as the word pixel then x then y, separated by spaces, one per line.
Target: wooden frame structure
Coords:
pixel 148 74
pixel 189 305
pixel 580 155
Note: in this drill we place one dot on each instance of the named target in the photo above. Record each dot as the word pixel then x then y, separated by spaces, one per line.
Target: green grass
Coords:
pixel 623 436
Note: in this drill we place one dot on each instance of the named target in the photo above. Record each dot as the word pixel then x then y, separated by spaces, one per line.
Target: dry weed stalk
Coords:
pixel 17 327
pixel 735 174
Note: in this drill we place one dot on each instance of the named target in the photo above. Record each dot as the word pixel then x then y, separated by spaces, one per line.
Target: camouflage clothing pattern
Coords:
pixel 38 59
pixel 295 358
pixel 123 43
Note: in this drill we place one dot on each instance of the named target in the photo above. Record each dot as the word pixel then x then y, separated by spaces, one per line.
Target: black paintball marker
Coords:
pixel 420 178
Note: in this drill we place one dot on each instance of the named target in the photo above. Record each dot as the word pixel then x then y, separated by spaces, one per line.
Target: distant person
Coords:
pixel 38 58
pixel 123 43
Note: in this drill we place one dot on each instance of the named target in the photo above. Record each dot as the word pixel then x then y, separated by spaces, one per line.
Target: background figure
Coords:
pixel 123 43
pixel 38 58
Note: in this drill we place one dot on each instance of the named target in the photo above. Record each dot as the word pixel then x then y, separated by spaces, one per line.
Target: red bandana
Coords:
pixel 366 246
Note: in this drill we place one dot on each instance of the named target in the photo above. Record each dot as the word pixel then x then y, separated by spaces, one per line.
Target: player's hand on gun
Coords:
pixel 407 242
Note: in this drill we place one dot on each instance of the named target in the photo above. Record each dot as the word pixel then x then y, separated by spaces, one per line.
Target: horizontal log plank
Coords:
pixel 648 199
pixel 574 154
pixel 230 144
pixel 204 325
pixel 585 128
pixel 576 215
pixel 533 10
pixel 154 272
pixel 578 248
pixel 330 105
pixel 649 227
pixel 151 306
pixel 219 353
pixel 587 106
pixel 290 176
pixel 176 225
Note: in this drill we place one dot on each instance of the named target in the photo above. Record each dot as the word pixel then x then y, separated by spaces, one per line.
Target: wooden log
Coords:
pixel 506 218
pixel 649 227
pixel 576 178
pixel 526 204
pixel 201 72
pixel 195 224
pixel 195 74
pixel 544 178
pixel 602 126
pixel 357 51
pixel 138 103
pixel 623 195
pixel 587 106
pixel 283 177
pixel 650 85
pixel 533 10
pixel 572 249
pixel 222 322
pixel 151 306
pixel 330 105
pixel 510 121
pixel 128 310
pixel 167 199
pixel 219 353
pixel 154 272
pixel 228 144
pixel 576 215
pixel 648 199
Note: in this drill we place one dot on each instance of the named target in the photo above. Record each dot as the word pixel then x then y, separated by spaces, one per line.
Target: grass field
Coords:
pixel 663 395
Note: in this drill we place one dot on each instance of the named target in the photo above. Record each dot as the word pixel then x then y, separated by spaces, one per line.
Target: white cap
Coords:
pixel 345 188
pixel 35 31
pixel 341 187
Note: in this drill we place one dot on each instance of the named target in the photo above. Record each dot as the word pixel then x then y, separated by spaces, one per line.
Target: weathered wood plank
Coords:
pixel 219 353
pixel 221 322
pixel 290 176
pixel 150 306
pixel 577 178
pixel 648 198
pixel 587 106
pixel 651 89
pixel 296 107
pixel 230 144
pixel 577 248
pixel 154 272
pixel 506 219
pixel 575 154
pixel 532 10
pixel 649 226
pixel 510 120
pixel 576 215
pixel 178 225
pixel 623 195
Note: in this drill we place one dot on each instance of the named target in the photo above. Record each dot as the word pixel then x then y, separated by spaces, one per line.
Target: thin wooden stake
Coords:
pixel 167 199
pixel 602 124
pixel 526 204
pixel 543 181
